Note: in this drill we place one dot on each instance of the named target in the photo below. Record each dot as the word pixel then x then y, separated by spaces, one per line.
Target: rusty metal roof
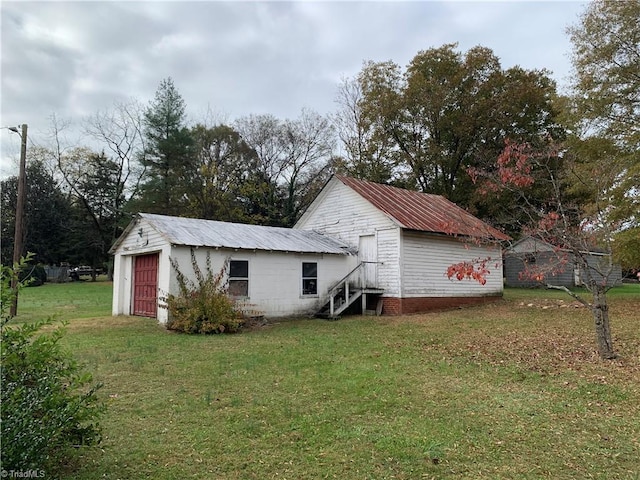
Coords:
pixel 421 211
pixel 210 233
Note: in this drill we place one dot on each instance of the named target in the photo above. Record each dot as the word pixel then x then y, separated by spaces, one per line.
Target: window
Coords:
pixel 239 278
pixel 309 278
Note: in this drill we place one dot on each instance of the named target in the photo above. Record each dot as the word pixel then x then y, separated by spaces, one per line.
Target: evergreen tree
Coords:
pixel 168 158
pixel 47 223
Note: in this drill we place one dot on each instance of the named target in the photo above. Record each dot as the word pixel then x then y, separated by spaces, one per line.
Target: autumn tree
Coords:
pixel 606 61
pixel 447 112
pixel 120 131
pixel 168 157
pixel 567 214
pixel 369 155
pixel 96 187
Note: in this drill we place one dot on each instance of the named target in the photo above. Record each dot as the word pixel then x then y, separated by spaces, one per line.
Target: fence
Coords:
pixel 57 274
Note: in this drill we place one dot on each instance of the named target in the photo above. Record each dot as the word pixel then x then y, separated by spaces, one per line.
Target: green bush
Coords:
pixel 33 275
pixel 48 403
pixel 202 306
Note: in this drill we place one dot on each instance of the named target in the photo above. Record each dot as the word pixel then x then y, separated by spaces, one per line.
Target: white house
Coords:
pixel 359 245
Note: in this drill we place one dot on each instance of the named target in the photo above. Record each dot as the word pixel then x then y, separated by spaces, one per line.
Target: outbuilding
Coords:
pixel 271 271
pixel 406 240
pixel 531 256
pixel 360 245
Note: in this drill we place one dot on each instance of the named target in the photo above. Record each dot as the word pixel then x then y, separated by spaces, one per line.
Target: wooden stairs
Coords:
pixel 353 287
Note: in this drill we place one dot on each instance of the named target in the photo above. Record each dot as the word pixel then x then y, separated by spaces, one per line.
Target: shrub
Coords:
pixel 33 275
pixel 48 403
pixel 203 306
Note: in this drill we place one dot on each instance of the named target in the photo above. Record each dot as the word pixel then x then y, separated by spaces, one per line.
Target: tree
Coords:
pixel 224 166
pixel 566 213
pixel 120 130
pixel 292 155
pixel 308 146
pixel 47 214
pixel 97 192
pixel 606 60
pixel 447 112
pixel 168 158
pixel 97 186
pixel 369 156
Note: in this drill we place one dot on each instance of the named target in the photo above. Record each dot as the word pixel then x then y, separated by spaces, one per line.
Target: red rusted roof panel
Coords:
pixel 421 211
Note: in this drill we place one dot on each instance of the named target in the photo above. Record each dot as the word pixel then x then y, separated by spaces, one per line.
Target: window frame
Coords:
pixel 309 278
pixel 238 278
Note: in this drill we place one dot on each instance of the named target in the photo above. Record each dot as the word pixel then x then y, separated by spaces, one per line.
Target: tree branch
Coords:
pixel 569 292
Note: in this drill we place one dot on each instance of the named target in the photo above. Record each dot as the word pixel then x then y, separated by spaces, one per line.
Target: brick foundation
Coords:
pixel 402 306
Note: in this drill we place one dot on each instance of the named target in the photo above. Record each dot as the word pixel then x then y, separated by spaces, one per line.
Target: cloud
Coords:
pixel 239 58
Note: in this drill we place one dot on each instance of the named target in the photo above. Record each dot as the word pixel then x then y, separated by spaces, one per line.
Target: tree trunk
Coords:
pixel 600 311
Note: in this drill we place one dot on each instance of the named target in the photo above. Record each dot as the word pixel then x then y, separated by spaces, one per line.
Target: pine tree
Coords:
pixel 168 159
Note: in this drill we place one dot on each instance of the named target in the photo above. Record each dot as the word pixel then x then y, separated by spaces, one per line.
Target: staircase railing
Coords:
pixel 334 289
pixel 342 286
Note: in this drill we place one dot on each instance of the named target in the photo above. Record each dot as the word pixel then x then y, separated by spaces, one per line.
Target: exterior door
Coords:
pixel 145 285
pixel 368 254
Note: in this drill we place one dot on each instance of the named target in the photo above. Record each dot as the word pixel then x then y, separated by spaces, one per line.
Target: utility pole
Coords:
pixel 18 239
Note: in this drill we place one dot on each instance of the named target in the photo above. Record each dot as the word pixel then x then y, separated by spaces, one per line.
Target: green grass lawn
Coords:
pixel 512 390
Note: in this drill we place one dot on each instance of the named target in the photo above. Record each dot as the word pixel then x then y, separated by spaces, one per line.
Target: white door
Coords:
pixel 368 254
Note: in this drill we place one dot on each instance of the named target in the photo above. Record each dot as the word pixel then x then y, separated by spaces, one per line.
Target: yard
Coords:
pixel 512 390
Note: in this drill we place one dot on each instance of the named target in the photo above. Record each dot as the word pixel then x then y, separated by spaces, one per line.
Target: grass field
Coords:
pixel 512 390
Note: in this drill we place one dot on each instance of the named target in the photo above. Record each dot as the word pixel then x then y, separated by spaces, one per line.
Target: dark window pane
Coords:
pixel 309 287
pixel 239 268
pixel 309 270
pixel 239 288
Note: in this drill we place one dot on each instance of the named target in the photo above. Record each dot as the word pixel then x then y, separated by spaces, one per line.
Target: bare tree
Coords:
pixel 291 154
pixel 368 155
pixel 119 129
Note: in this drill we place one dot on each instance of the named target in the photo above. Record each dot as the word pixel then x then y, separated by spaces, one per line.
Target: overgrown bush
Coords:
pixel 203 306
pixel 48 402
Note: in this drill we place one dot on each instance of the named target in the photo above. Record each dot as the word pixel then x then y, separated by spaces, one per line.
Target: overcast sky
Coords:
pixel 73 59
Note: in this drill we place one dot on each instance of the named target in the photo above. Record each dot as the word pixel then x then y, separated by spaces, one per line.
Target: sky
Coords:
pixel 232 59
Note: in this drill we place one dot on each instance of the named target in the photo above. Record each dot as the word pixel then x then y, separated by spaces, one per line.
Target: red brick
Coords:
pixel 401 306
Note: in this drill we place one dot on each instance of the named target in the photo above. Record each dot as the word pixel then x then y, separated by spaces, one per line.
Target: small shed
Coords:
pixel 272 271
pixel 532 254
pixel 406 240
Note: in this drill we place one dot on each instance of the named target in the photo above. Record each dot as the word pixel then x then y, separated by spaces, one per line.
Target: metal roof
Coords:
pixel 210 233
pixel 421 211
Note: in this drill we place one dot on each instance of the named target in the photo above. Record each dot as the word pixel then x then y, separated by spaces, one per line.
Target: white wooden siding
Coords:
pixel 389 261
pixel 343 214
pixel 142 239
pixel 425 259
pixel 275 278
